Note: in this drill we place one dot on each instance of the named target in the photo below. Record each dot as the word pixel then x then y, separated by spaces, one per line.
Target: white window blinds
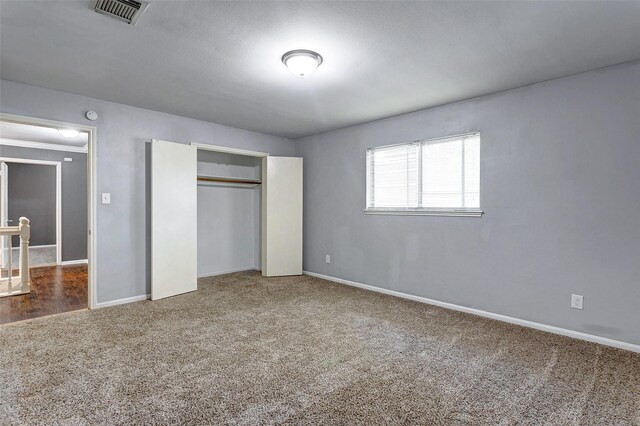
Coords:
pixel 393 175
pixel 429 175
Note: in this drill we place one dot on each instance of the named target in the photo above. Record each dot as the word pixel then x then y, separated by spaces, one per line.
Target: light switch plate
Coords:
pixel 106 198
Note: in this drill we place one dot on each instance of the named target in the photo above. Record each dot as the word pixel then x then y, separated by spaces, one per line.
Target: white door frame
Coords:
pixel 4 209
pixel 58 166
pixel 283 268
pixel 228 150
pixel 91 189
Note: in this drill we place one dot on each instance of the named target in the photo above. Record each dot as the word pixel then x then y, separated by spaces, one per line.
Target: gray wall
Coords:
pixel 123 134
pixel 32 194
pixel 74 196
pixel 560 176
pixel 228 215
pixel 559 187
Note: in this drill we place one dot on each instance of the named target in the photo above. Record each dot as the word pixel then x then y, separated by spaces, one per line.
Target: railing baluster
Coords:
pixel 10 268
pixel 24 231
pixel 25 235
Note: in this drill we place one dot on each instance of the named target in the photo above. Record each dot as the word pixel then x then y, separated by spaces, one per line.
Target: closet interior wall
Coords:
pixel 228 214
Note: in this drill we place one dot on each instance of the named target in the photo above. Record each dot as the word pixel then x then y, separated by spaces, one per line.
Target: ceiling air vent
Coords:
pixel 128 11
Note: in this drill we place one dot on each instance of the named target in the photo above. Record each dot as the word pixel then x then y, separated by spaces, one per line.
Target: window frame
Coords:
pixel 422 211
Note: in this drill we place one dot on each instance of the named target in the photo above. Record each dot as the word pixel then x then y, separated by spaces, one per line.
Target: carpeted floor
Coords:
pixel 298 350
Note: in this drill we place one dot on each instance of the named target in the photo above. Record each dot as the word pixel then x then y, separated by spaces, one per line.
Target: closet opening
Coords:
pixel 229 212
pixel 217 210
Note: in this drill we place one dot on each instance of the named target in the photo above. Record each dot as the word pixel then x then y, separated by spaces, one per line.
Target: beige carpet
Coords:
pixel 299 350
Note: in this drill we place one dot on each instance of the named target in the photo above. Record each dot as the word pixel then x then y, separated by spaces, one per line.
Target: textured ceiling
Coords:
pixel 220 61
pixel 25 132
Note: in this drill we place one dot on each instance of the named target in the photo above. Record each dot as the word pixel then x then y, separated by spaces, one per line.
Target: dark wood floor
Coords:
pixel 54 289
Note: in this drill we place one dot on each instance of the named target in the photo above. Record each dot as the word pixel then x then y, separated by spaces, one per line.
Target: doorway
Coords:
pixel 32 152
pixel 33 189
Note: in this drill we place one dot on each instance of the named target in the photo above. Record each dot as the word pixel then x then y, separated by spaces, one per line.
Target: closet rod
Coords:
pixel 230 180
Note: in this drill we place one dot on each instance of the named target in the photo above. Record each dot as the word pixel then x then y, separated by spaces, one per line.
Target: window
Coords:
pixel 432 177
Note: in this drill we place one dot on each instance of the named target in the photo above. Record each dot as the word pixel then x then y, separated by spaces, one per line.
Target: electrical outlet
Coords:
pixel 576 301
pixel 106 198
pixel 327 259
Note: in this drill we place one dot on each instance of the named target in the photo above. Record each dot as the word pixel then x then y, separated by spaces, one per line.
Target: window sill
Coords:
pixel 427 212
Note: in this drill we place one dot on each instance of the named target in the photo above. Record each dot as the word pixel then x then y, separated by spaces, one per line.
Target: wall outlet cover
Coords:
pixel 106 198
pixel 327 259
pixel 576 301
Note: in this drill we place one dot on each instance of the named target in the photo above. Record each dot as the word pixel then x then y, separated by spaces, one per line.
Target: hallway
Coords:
pixel 38 256
pixel 54 290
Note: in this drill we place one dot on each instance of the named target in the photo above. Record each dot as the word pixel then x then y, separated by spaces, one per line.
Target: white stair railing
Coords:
pixel 10 285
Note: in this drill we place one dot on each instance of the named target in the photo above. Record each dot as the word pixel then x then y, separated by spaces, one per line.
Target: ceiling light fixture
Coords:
pixel 302 62
pixel 69 133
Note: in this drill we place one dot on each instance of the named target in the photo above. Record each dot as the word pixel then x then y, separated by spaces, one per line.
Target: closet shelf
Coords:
pixel 229 180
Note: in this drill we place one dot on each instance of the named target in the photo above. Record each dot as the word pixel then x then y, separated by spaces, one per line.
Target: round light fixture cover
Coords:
pixel 302 62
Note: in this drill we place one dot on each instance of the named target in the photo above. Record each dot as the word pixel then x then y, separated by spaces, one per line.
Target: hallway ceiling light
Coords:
pixel 302 62
pixel 69 133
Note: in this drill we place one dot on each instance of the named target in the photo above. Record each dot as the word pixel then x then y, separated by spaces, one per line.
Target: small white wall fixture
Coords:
pixel 174 219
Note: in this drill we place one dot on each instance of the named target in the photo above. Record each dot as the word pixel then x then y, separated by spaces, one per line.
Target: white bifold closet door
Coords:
pixel 174 219
pixel 281 216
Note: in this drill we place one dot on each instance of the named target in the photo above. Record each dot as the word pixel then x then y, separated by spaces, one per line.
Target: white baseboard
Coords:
pixel 148 296
pixel 123 301
pixel 74 262
pixel 228 271
pixel 491 315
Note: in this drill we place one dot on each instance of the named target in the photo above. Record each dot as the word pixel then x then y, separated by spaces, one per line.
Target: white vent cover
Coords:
pixel 128 11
